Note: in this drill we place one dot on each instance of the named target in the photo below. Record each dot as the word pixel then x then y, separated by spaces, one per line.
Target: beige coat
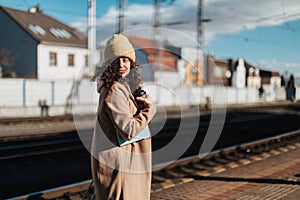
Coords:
pixel 121 172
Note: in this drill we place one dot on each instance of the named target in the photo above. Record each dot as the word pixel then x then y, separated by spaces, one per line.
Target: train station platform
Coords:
pixel 269 176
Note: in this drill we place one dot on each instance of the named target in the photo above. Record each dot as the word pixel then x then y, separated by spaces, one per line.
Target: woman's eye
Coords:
pixel 125 60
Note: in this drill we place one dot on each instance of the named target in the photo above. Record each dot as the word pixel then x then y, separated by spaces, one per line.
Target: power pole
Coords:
pixel 157 25
pixel 157 20
pixel 199 24
pixel 91 32
pixel 200 59
pixel 200 33
pixel 121 27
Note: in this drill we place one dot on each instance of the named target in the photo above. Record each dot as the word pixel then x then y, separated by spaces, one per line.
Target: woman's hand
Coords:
pixel 146 100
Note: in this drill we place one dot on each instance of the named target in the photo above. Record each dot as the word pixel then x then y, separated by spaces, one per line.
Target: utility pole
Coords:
pixel 199 24
pixel 200 33
pixel 121 27
pixel 157 56
pixel 200 59
pixel 157 20
pixel 91 32
pixel 157 26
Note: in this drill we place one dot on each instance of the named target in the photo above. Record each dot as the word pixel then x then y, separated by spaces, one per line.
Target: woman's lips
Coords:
pixel 122 71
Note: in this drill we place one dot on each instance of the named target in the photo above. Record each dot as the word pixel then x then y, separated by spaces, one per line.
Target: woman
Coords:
pixel 121 172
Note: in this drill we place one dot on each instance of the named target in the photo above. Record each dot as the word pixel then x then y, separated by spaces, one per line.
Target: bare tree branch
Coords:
pixel 7 59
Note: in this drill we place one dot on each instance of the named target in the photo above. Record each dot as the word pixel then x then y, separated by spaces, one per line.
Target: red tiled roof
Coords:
pixel 25 19
pixel 169 61
pixel 141 42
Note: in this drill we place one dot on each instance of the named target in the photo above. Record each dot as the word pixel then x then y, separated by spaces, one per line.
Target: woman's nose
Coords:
pixel 121 62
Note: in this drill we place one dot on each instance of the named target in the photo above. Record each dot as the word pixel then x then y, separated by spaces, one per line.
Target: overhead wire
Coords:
pixel 221 14
pixel 247 39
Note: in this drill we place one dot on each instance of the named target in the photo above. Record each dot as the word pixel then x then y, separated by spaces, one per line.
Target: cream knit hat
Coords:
pixel 118 45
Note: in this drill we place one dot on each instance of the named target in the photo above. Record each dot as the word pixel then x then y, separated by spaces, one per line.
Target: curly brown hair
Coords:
pixel 109 76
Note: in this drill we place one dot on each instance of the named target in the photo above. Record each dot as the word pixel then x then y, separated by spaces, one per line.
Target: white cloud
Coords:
pixel 236 15
pixel 80 24
pixel 297 75
pixel 227 17
pixel 280 66
pixel 279 63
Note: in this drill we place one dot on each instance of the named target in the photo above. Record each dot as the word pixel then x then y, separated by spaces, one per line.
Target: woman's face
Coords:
pixel 122 66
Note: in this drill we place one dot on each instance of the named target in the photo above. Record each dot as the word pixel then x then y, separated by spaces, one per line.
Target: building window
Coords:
pixel 37 29
pixel 60 33
pixel 71 60
pixel 53 59
pixel 86 60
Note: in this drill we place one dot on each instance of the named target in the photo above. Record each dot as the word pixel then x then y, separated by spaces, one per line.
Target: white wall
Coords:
pixel 197 95
pixel 11 92
pixel 169 78
pixel 19 97
pixel 62 71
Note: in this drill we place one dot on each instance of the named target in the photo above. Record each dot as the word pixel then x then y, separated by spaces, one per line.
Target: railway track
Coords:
pixel 68 141
pixel 176 110
pixel 24 120
pixel 40 146
pixel 240 127
pixel 180 171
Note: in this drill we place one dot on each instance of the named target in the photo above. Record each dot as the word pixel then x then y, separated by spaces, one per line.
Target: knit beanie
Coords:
pixel 118 45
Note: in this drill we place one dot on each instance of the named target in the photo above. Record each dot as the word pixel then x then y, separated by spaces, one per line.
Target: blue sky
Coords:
pixel 265 33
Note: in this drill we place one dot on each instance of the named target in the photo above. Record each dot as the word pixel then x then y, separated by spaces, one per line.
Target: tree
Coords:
pixel 291 89
pixel 7 59
pixel 282 80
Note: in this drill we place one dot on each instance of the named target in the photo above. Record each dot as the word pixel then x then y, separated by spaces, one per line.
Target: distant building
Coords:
pixel 270 78
pixel 228 72
pixel 159 65
pixel 211 71
pixel 45 47
pixel 218 71
pixel 239 75
pixel 253 75
pixel 192 66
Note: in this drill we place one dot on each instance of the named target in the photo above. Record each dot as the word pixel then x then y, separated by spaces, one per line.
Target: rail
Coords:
pixel 84 190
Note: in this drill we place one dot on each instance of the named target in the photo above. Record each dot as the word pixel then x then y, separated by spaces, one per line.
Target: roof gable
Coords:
pixel 46 29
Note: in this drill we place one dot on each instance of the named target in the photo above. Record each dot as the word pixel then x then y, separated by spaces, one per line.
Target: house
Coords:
pixel 270 78
pixel 228 72
pixel 219 72
pixel 192 64
pixel 256 77
pixel 159 65
pixel 209 70
pixel 43 47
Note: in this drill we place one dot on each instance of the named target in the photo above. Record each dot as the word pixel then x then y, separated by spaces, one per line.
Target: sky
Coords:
pixel 264 33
